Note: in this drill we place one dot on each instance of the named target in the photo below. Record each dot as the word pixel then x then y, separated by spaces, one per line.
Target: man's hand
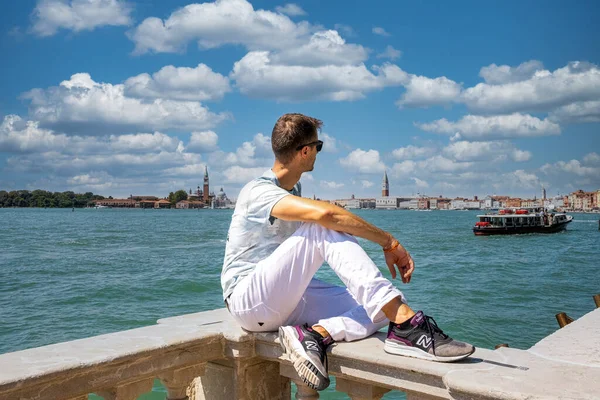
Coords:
pixel 400 258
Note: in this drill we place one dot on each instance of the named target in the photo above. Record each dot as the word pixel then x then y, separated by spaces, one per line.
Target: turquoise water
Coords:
pixel 66 275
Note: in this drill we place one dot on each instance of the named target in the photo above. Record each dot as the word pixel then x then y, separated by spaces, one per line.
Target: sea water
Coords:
pixel 66 274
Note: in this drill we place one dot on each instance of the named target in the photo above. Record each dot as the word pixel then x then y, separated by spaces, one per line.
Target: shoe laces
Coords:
pixel 433 329
pixel 323 343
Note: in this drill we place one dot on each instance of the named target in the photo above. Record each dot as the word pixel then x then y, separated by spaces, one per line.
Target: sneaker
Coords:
pixel 420 337
pixel 307 351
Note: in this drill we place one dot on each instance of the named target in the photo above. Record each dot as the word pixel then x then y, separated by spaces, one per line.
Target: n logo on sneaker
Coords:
pixel 424 341
pixel 312 346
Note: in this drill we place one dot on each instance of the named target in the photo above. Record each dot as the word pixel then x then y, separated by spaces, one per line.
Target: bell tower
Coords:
pixel 385 186
pixel 205 191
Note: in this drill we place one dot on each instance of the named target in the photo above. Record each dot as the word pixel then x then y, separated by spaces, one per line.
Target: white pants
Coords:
pixel 282 291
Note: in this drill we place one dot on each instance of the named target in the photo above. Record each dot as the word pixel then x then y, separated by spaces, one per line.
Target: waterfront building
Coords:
pixel 458 204
pixel 423 203
pixel 385 185
pixel 555 202
pixel 221 200
pixel 404 204
pixel 195 195
pixel 443 204
pixel 513 202
pixel 367 203
pixel 162 203
pixel 146 203
pixel 529 203
pixel 189 204
pixel 386 203
pixel 583 201
pixel 116 203
pixel 473 204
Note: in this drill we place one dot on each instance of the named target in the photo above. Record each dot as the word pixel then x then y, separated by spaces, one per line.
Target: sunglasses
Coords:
pixel 319 144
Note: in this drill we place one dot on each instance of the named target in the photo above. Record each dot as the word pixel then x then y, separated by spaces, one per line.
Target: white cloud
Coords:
pixel 331 185
pixel 18 136
pixel 329 143
pixel 497 75
pixel 521 155
pixel 78 15
pixel 366 184
pixel 574 167
pixel 193 84
pixel 144 142
pixel 256 76
pixel 307 177
pixel 256 152
pixel 544 91
pixel 188 170
pixel 411 152
pixel 262 144
pixel 88 107
pixel 214 24
pixel 291 9
pixel 380 31
pixel 592 158
pixel 323 48
pixel 440 163
pixel 237 174
pixel 583 111
pixel 345 29
pixel 575 174
pixel 390 53
pixel 403 169
pixel 422 91
pixel 476 127
pixel 421 184
pixel 367 162
pixel 201 142
pixel 522 179
pixel 485 151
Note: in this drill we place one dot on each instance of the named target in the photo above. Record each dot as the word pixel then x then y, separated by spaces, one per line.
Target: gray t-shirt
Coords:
pixel 254 234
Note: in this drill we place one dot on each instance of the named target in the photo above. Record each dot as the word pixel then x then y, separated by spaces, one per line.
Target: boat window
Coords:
pixel 509 221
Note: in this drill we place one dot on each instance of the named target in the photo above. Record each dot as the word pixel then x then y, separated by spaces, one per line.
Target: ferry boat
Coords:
pixel 522 220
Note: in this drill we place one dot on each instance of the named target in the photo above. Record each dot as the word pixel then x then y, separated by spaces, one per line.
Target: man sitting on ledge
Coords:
pixel 278 240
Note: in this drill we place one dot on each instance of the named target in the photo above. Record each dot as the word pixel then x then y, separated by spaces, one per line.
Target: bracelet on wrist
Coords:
pixel 393 247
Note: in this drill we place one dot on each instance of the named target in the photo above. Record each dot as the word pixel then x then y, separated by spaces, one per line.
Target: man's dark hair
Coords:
pixel 291 131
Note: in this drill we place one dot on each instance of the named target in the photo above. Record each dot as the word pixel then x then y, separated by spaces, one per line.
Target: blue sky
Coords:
pixel 451 98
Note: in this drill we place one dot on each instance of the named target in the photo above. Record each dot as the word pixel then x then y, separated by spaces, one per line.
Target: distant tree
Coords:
pixel 3 198
pixel 43 198
pixel 179 195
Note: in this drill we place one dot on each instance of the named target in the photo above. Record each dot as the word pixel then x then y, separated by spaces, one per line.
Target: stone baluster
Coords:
pixel 178 380
pixel 420 396
pixel 303 392
pixel 128 391
pixel 358 390
pixel 241 379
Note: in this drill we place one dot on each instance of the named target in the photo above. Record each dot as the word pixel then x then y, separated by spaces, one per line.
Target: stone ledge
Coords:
pixel 563 365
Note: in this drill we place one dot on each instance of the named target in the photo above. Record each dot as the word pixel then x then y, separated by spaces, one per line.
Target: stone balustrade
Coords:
pixel 206 356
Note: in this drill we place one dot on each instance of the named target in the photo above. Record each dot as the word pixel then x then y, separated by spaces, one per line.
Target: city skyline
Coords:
pixel 117 96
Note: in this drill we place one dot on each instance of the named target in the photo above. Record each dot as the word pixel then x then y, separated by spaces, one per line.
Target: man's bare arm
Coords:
pixel 294 208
